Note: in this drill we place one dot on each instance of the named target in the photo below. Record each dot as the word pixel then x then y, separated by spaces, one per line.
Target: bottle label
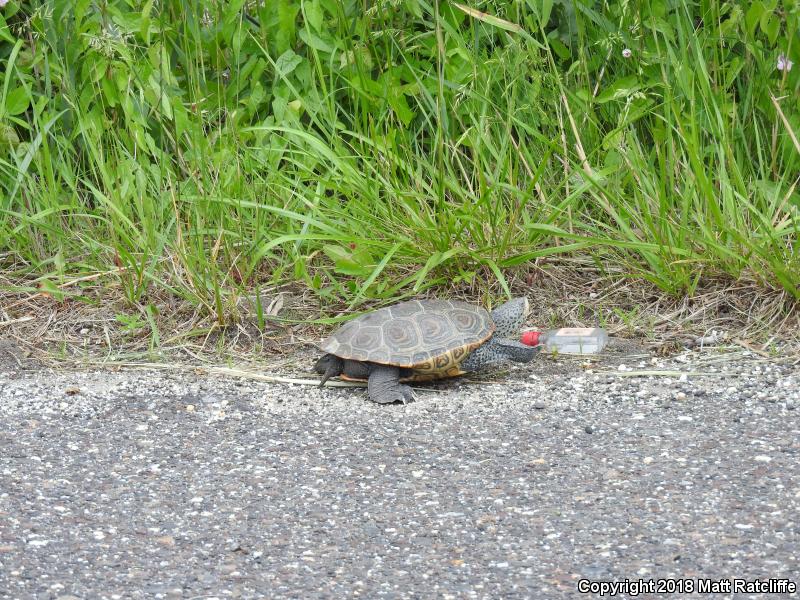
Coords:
pixel 575 331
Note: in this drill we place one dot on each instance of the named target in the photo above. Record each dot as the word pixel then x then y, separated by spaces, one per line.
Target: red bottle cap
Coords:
pixel 530 338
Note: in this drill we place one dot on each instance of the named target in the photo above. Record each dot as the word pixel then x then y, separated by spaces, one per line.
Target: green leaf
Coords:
pixel 144 23
pixel 356 261
pixel 732 71
pixel 414 7
pixel 314 41
pixel 374 275
pixel 499 274
pixel 621 88
pixel 613 139
pixel 110 91
pixel 490 19
pixel 231 18
pixel 166 105
pixel 547 7
pixel 287 62
pixel 130 323
pixel 435 259
pixel 237 39
pixel 771 26
pixel 5 32
pixel 559 48
pixel 753 17
pixel 287 28
pixel 400 107
pixel 279 105
pixel 17 101
pixel 314 14
pixel 658 9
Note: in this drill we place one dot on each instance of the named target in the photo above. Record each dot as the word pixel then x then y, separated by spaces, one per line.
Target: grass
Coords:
pixel 369 155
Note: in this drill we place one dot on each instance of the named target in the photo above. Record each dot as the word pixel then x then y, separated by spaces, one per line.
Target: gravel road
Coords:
pixel 155 484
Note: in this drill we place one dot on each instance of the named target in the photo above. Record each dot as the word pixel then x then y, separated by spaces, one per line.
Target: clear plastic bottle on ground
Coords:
pixel 568 340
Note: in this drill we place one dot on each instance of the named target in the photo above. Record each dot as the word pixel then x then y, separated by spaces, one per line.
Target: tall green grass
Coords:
pixel 371 150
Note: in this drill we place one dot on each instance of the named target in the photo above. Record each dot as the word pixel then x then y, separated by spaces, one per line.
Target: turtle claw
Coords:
pixel 403 395
pixel 407 393
pixel 325 378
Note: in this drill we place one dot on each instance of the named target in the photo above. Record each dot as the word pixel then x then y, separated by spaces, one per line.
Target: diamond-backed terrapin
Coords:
pixel 420 340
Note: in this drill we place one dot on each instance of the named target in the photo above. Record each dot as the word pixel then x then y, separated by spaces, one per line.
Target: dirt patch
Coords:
pixel 91 321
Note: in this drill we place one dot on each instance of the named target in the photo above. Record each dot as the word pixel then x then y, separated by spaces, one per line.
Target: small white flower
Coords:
pixel 784 64
pixel 3 3
pixel 626 53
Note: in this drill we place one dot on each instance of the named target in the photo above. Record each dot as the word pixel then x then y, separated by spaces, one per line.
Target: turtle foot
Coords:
pixel 384 385
pixel 401 393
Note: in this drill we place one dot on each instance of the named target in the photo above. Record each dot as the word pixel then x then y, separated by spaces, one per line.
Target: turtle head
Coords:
pixel 509 317
pixel 502 347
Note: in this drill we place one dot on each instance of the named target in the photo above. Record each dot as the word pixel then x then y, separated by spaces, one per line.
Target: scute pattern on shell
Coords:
pixel 430 336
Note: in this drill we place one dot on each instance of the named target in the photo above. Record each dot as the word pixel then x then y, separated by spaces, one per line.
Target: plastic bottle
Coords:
pixel 568 340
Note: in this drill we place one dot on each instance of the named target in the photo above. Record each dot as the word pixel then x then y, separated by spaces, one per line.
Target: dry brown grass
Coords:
pixel 84 325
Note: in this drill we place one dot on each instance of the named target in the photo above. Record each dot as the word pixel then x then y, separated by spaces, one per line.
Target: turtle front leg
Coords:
pixel 384 385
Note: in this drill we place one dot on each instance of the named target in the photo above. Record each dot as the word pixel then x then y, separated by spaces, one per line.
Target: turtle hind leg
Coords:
pixel 330 366
pixel 384 385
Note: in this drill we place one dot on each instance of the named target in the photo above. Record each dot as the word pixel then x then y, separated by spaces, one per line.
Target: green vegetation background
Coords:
pixel 369 148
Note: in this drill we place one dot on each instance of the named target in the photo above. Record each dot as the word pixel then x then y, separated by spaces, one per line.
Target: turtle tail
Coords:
pixel 330 366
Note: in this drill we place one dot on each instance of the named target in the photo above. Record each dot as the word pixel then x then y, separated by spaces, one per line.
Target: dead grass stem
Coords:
pixel 93 322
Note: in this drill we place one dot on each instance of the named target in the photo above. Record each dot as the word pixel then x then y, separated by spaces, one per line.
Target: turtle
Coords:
pixel 420 340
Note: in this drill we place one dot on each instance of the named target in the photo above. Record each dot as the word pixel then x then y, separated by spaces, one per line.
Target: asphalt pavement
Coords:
pixel 536 482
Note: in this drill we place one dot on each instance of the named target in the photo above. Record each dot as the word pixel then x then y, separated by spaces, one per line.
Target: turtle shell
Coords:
pixel 429 337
